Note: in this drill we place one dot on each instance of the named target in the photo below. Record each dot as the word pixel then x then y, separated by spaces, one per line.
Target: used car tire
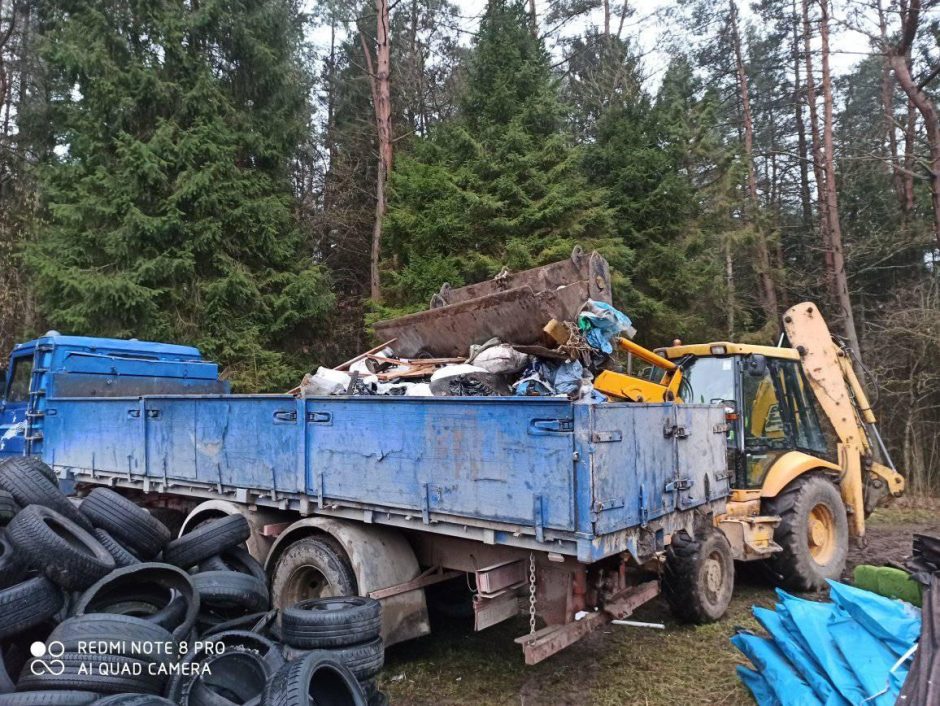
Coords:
pixel 26 479
pixel 8 508
pixel 170 582
pixel 364 660
pixel 122 557
pixel 699 576
pixel 105 673
pixel 253 622
pixel 236 677
pixel 317 678
pixel 49 698
pixel 207 540
pixel 230 589
pixel 121 629
pixel 27 604
pixel 12 569
pixel 233 640
pixel 131 525
pixel 51 543
pixel 235 559
pixel 331 622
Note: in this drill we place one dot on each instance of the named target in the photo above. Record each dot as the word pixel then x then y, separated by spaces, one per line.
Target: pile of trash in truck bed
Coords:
pixel 542 332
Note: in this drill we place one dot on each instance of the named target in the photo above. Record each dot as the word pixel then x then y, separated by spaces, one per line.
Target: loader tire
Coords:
pixel 813 531
pixel 54 545
pixel 699 576
pixel 126 521
pixel 27 479
pixel 207 540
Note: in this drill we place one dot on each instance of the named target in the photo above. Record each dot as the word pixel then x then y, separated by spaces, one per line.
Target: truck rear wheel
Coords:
pixel 699 576
pixel 312 567
pixel 813 531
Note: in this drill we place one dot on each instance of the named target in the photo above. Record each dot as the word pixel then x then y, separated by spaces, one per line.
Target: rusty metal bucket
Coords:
pixel 512 307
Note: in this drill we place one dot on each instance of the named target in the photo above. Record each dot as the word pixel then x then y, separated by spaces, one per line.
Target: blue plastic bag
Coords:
pixel 600 322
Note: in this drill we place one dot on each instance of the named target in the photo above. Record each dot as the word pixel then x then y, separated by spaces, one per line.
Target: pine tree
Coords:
pixel 499 185
pixel 169 212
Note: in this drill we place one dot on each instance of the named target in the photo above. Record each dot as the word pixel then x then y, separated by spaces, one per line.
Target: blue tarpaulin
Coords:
pixel 839 653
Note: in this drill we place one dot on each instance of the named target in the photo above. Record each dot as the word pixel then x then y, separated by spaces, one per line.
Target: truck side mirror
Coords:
pixel 756 365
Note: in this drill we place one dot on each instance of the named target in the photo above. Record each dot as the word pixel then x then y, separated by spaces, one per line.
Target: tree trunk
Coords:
pixel 840 276
pixel 379 73
pixel 533 19
pixel 606 18
pixel 806 203
pixel 910 135
pixel 768 293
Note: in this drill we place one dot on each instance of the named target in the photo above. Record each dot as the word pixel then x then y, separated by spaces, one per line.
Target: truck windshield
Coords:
pixel 708 381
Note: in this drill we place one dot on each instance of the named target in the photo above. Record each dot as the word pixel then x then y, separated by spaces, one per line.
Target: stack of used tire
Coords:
pixel 183 621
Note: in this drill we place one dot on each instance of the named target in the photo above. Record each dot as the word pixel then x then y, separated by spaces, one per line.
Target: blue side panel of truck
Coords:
pixel 542 466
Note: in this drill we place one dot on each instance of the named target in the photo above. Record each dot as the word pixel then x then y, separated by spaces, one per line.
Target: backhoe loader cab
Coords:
pixel 808 465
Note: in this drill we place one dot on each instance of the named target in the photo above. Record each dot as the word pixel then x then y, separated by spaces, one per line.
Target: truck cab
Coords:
pixel 82 366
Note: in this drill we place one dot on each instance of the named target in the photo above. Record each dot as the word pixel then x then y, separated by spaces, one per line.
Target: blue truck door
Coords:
pixel 15 403
pixel 702 464
pixel 632 461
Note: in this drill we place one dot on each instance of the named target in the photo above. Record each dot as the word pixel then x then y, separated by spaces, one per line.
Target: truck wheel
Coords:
pixel 312 567
pixel 699 576
pixel 813 531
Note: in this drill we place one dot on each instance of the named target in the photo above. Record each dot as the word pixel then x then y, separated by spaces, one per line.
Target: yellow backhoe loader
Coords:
pixel 809 464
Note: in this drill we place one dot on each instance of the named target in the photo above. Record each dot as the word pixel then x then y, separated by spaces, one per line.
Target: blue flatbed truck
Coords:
pixel 561 510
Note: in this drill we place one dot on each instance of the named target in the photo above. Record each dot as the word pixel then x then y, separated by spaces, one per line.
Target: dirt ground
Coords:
pixel 619 666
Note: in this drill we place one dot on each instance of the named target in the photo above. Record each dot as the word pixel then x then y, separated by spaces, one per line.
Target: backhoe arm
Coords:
pixel 637 389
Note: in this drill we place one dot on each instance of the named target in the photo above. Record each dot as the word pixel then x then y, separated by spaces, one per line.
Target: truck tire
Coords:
pixel 318 678
pixel 229 589
pixel 49 698
pixel 311 567
pixel 8 508
pixel 28 604
pixel 331 622
pixel 54 545
pixel 364 660
pixel 26 479
pixel 127 522
pixel 235 559
pixel 699 576
pixel 813 531
pixel 122 631
pixel 105 673
pixel 12 569
pixel 121 556
pixel 207 540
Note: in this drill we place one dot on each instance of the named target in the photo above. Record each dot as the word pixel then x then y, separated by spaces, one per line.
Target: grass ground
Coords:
pixel 617 666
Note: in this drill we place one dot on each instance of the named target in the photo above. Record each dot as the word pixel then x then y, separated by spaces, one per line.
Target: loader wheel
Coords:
pixel 813 531
pixel 699 576
pixel 312 567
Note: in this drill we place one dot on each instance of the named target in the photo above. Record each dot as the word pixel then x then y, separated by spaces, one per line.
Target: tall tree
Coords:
pixel 169 211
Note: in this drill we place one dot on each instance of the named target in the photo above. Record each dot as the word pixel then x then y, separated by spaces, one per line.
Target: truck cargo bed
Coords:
pixel 531 472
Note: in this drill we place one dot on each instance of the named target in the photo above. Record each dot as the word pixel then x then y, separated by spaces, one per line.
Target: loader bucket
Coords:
pixel 513 307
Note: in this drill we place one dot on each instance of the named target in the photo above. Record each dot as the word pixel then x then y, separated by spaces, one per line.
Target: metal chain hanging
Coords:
pixel 531 592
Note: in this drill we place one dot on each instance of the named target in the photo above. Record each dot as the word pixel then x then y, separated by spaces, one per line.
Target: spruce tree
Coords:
pixel 499 185
pixel 169 211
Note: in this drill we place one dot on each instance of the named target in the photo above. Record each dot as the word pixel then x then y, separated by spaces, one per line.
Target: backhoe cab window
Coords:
pixel 19 385
pixel 708 381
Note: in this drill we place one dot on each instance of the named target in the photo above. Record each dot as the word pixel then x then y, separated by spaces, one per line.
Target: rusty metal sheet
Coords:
pixel 512 307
